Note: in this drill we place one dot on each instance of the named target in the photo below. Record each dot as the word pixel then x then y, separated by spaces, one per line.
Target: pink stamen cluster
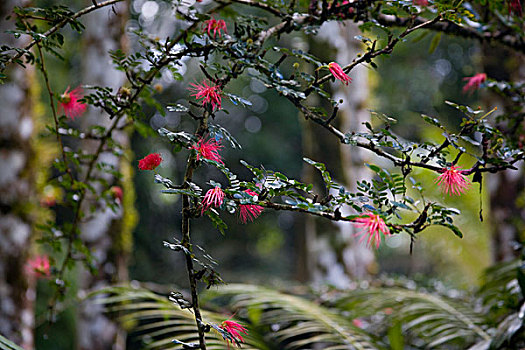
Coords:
pixel 216 26
pixel 249 212
pixel 213 197
pixel 70 104
pixel 38 266
pixel 452 181
pixel 474 82
pixel 150 162
pixel 234 329
pixel 338 73
pixel 210 94
pixel 208 149
pixel 117 193
pixel 420 2
pixel 372 226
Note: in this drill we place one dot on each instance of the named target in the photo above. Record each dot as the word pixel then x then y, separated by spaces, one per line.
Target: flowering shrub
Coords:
pixel 150 162
pixel 70 104
pixel 391 203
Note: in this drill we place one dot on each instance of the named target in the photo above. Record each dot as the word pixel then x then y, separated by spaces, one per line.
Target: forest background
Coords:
pixel 283 251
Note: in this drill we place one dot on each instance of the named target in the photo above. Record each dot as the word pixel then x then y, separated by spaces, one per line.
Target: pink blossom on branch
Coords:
pixel 452 181
pixel 213 197
pixel 210 94
pixel 116 193
pixel 515 6
pixel 420 2
pixel 234 329
pixel 372 226
pixel 338 73
pixel 216 26
pixel 249 212
pixel 70 104
pixel 150 162
pixel 208 149
pixel 38 266
pixel 474 82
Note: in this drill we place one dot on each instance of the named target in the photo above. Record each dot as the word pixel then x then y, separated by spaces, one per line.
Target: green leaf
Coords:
pixel 434 43
pixel 395 337
pixel 216 221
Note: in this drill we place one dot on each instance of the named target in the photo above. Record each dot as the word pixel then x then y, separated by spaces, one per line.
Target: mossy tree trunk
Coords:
pixel 331 252
pixel 17 194
pixel 107 231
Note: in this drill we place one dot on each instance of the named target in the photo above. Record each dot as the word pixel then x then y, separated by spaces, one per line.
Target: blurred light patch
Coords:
pixel 442 67
pixel 257 86
pixel 259 104
pixel 269 242
pixel 285 220
pixel 149 9
pixel 157 121
pixel 172 120
pixel 253 124
pixel 396 241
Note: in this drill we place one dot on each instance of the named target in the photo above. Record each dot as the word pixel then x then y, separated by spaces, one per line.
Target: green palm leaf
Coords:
pixel 158 322
pixel 434 319
pixel 6 344
pixel 291 322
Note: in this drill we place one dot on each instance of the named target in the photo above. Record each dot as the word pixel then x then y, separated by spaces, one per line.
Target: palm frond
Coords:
pixel 433 319
pixel 291 322
pixel 158 322
pixel 500 290
pixel 6 344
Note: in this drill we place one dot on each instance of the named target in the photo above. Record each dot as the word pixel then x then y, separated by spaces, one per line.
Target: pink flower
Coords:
pixel 209 93
pixel 234 329
pixel 117 193
pixel 208 150
pixel 357 322
pixel 213 197
pixel 216 26
pixel 69 102
pixel 420 2
pixel 515 6
pixel 150 162
pixel 249 212
pixel 474 82
pixel 372 225
pixel 38 266
pixel 452 181
pixel 338 73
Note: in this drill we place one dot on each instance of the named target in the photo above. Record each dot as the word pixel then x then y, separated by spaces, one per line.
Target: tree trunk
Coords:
pixel 333 255
pixel 107 232
pixel 507 187
pixel 17 194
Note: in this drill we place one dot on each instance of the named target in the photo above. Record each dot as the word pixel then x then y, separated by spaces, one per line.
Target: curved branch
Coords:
pixel 59 25
pixel 502 37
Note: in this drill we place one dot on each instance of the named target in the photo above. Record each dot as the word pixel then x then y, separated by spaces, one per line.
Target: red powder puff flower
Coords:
pixel 474 82
pixel 216 26
pixel 213 197
pixel 338 73
pixel 372 226
pixel 38 266
pixel 249 212
pixel 515 6
pixel 452 181
pixel 234 330
pixel 69 102
pixel 420 2
pixel 117 193
pixel 208 149
pixel 209 93
pixel 150 162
